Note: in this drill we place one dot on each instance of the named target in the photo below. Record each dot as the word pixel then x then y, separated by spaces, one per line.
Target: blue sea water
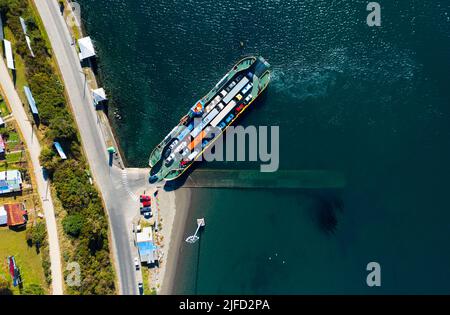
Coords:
pixel 372 103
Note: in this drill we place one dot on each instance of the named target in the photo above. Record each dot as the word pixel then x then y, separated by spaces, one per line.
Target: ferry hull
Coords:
pixel 217 110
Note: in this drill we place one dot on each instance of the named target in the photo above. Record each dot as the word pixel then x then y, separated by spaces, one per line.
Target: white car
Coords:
pixel 170 158
pixel 181 146
pixel 173 144
pixel 137 263
pixel 185 152
pixel 247 87
pixel 248 98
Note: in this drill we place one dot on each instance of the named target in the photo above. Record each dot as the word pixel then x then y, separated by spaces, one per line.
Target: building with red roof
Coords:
pixel 16 214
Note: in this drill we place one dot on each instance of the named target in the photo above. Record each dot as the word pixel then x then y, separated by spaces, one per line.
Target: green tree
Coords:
pixel 72 224
pixel 38 234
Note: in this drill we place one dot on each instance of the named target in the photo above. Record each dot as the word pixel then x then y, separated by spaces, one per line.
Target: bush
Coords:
pixel 72 224
pixel 38 234
pixel 5 286
pixel 32 289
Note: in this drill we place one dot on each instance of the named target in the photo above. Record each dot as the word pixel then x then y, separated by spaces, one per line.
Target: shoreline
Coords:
pixel 176 205
pixel 95 80
pixel 177 228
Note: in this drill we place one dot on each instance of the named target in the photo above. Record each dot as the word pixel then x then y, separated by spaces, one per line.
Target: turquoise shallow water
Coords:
pixel 372 103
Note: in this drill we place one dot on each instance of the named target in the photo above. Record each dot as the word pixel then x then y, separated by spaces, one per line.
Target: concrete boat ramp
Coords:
pixel 137 178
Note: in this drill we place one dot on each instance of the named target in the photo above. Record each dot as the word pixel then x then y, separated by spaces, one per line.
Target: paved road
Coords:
pixel 107 178
pixel 34 149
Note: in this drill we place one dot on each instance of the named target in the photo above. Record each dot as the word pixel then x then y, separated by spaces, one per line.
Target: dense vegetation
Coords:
pixel 85 223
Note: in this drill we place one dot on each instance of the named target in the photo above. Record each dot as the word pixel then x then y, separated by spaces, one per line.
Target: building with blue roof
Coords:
pixel 10 181
pixel 148 251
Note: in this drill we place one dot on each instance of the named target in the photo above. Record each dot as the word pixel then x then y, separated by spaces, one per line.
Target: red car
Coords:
pixel 146 201
pixel 183 163
pixel 239 108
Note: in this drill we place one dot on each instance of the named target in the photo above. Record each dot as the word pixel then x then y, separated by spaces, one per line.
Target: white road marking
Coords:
pixel 126 186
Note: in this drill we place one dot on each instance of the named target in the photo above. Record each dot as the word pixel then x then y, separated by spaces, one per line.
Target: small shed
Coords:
pixel 9 54
pixel 23 24
pixel 60 150
pixel 86 48
pixel 99 96
pixel 31 100
pixel 148 252
pixel 27 38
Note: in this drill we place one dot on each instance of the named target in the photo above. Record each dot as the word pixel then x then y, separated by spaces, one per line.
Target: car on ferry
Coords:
pixel 248 98
pixel 173 144
pixel 222 125
pixel 185 152
pixel 239 108
pixel 247 87
pixel 229 118
pixel 192 155
pixel 181 146
pixel 169 160
pixel 184 163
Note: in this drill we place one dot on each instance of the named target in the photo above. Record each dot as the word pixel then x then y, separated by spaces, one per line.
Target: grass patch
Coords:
pixel 14 244
pixel 13 137
pixel 14 157
pixel 20 79
pixel 145 280
pixel 4 111
pixel 13 143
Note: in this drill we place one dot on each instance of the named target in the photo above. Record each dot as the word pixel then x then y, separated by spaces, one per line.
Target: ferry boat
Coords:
pixel 208 118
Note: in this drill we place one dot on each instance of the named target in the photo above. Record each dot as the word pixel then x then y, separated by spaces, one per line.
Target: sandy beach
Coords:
pixel 175 210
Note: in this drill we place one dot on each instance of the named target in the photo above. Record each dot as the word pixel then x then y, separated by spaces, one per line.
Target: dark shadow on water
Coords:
pixel 199 246
pixel 324 209
pixel 180 181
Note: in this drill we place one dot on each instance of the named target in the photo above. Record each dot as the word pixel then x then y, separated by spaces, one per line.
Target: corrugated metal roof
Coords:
pixel 9 54
pixel 15 214
pixel 31 100
pixel 86 48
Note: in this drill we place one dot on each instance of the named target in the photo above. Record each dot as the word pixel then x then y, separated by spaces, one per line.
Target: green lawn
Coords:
pixel 14 244
pixel 20 66
pixel 13 141
pixel 14 157
pixel 3 108
pixel 13 137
